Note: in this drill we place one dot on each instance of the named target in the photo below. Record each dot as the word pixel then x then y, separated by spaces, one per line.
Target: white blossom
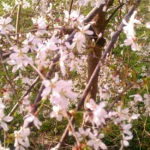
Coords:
pixel 6 7
pixel 31 41
pixel 82 133
pixel 5 26
pixel 29 118
pixel 80 38
pixel 99 114
pixel 21 138
pixel 96 142
pixel 19 59
pixel 4 119
pixel 25 4
pixel 130 32
pixel 3 148
pixel 137 98
pixel 63 57
pixel 60 99
pixel 74 19
pixel 25 106
pixel 83 2
pixel 40 22
pixel 148 25
pixel 126 134
pixel 49 85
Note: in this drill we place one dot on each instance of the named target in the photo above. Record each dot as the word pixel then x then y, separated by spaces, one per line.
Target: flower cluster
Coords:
pixel 5 26
pixel 94 138
pixel 61 94
pixel 97 114
pixel 21 138
pixel 4 119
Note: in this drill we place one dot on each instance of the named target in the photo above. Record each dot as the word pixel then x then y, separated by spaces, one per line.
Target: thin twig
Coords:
pixel 11 13
pixel 113 13
pixel 27 92
pixel 144 130
pixel 48 29
pixel 71 4
pixel 72 129
pixel 118 97
pixel 64 135
pixel 18 19
pixel 38 72
pixel 8 39
pixel 140 144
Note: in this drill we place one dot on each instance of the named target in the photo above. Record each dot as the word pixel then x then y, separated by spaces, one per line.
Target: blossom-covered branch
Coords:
pixel 97 69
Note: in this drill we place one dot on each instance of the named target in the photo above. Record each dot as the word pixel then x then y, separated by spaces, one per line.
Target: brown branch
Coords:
pixel 88 86
pixel 118 97
pixel 113 13
pixel 71 4
pixel 94 12
pixel 63 137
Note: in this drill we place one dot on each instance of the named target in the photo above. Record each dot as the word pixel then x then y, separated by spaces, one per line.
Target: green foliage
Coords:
pixel 141 130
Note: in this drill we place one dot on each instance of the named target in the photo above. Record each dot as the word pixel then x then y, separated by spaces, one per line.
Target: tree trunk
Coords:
pixel 95 53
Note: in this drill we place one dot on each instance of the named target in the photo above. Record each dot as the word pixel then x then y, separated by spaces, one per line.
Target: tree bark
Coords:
pixel 95 53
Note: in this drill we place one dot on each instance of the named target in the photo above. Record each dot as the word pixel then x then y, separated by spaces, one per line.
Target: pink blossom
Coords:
pixel 60 99
pixel 40 22
pixel 7 7
pixel 130 32
pixel 49 85
pixel 4 119
pixel 5 26
pixel 29 118
pixel 19 59
pixel 74 18
pixel 148 25
pixel 98 112
pixel 21 138
pixel 95 141
pixel 83 133
pixel 31 41
pixel 126 135
pixel 79 37
pixel 137 98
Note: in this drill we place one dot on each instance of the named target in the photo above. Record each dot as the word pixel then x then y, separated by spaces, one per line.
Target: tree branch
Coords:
pixel 18 19
pixel 27 92
pixel 118 97
pixel 114 12
pixel 71 4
